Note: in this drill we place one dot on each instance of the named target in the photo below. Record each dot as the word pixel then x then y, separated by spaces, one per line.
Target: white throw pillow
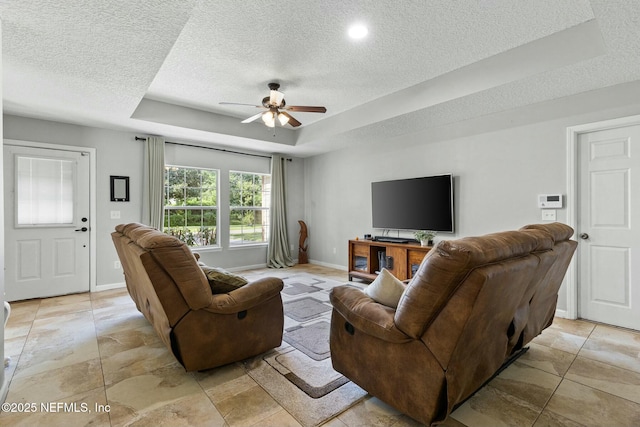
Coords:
pixel 386 289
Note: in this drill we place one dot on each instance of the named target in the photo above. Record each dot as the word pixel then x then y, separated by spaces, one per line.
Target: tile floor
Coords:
pixel 97 350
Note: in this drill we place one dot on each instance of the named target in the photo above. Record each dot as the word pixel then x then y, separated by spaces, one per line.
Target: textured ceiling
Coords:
pixel 163 67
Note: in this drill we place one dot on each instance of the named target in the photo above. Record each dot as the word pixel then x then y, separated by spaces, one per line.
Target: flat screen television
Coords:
pixel 414 204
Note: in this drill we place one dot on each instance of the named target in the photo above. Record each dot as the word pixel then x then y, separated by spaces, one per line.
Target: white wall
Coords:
pixel 4 385
pixel 118 153
pixel 497 178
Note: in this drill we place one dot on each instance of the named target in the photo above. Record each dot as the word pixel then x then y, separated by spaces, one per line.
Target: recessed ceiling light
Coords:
pixel 358 31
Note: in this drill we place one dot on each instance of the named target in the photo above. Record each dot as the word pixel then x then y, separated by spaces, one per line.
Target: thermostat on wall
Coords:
pixel 548 201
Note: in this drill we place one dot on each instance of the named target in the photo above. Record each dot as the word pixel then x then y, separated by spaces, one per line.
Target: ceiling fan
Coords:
pixel 276 109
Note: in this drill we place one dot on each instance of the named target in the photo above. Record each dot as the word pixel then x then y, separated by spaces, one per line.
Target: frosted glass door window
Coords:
pixel 44 191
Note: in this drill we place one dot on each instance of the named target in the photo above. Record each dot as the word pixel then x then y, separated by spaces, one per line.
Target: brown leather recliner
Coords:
pixel 202 330
pixel 472 305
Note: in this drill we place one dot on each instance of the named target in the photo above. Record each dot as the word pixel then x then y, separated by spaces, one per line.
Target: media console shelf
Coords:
pixel 402 259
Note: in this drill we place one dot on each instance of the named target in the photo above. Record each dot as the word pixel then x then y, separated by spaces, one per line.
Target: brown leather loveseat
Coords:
pixel 472 305
pixel 201 329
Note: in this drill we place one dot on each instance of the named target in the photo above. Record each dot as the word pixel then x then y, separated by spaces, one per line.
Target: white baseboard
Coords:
pixel 247 267
pixel 562 313
pixel 108 286
pixel 326 264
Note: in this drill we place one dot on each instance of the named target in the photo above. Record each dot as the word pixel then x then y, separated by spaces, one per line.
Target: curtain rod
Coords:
pixel 212 148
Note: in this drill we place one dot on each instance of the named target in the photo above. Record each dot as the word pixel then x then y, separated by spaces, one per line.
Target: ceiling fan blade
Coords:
pixel 306 109
pixel 237 103
pixel 292 121
pixel 252 118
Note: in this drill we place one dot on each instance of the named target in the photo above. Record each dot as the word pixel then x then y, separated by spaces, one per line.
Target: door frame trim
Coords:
pixel 92 195
pixel 573 181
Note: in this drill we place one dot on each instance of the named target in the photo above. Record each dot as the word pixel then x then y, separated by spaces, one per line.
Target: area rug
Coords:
pixel 298 374
pixel 312 340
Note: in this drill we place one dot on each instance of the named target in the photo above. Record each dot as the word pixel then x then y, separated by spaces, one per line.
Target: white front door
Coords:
pixel 46 222
pixel 609 226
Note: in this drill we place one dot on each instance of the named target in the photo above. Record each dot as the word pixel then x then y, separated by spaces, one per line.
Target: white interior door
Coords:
pixel 609 226
pixel 46 222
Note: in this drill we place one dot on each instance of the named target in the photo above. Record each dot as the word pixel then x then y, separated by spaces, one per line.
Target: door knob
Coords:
pixel 83 229
pixel 584 236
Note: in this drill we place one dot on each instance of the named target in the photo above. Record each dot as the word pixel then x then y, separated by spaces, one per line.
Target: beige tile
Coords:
pixel 111 298
pixel 548 359
pixel 110 294
pixel 592 407
pixel 551 419
pixel 65 300
pixel 58 342
pixel 80 411
pixel 217 377
pixel 581 328
pixel 230 389
pixel 248 407
pixel 334 422
pixel 18 330
pixel 127 339
pixel 136 395
pixel 194 410
pixel 452 422
pixel 526 383
pixel 13 346
pixel 615 346
pixel 280 419
pixel 64 324
pixel 117 318
pixel 617 381
pixel 10 369
pixel 57 384
pixel 52 357
pixel 563 337
pixel 58 330
pixel 23 311
pixel 374 412
pixel 137 361
pixel 52 307
pixel 491 407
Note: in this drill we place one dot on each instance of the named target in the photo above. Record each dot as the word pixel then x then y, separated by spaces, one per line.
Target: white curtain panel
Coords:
pixel 278 255
pixel 153 191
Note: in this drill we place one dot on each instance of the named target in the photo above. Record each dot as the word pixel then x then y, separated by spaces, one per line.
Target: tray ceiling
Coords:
pixel 163 67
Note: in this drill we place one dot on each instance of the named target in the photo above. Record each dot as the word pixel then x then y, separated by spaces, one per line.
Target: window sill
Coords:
pixel 247 246
pixel 206 249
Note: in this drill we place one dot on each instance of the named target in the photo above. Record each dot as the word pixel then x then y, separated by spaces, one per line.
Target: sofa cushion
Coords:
pixel 386 289
pixel 222 281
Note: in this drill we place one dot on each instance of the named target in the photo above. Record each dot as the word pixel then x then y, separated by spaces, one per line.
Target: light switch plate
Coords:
pixel 115 214
pixel 548 214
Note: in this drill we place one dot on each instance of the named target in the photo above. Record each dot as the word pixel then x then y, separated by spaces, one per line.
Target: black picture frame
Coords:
pixel 119 188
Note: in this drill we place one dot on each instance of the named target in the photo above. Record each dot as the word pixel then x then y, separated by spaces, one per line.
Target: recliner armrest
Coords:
pixel 366 315
pixel 250 295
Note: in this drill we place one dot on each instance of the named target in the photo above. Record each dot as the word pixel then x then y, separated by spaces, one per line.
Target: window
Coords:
pixel 250 197
pixel 44 191
pixel 191 205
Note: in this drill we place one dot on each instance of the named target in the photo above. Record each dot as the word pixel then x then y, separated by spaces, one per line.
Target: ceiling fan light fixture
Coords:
pixel 276 98
pixel 283 119
pixel 267 116
pixel 269 119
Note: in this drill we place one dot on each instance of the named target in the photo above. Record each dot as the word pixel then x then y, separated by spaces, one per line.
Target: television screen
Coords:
pixel 414 204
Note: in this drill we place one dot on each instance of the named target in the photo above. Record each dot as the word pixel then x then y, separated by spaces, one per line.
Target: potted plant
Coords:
pixel 425 237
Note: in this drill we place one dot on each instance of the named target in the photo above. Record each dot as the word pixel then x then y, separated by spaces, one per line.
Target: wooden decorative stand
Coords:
pixel 303 258
pixel 401 259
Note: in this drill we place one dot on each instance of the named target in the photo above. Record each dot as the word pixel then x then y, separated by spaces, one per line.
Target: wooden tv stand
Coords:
pixel 364 264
